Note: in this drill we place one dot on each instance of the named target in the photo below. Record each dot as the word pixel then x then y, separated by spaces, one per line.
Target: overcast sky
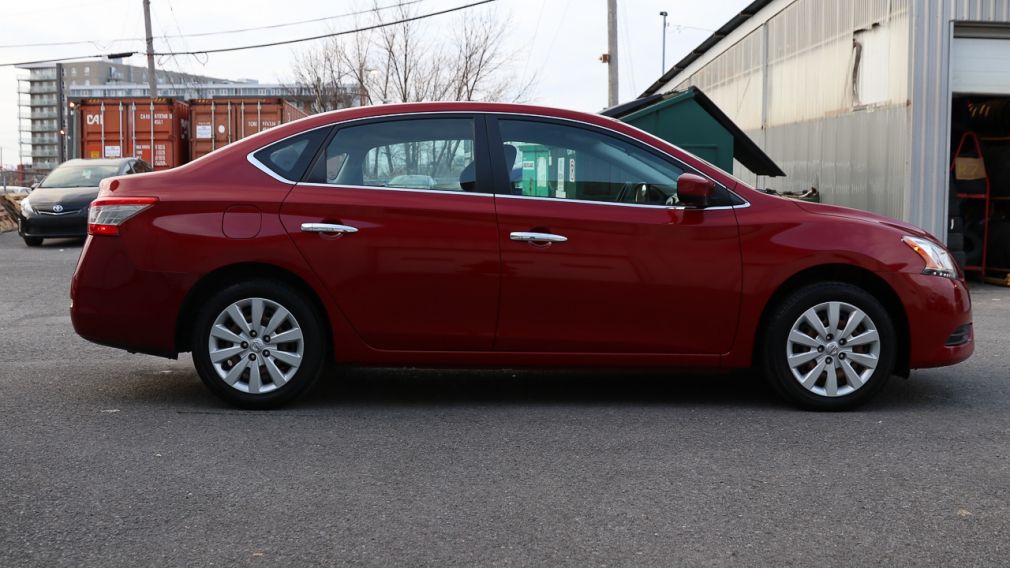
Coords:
pixel 558 40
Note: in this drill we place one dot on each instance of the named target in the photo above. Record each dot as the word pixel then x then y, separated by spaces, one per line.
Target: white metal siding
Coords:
pixel 929 87
pixel 788 83
pixel 786 77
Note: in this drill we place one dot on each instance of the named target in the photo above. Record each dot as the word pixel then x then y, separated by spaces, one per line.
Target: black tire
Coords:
pixel 960 257
pixel 314 350
pixel 955 208
pixel 33 241
pixel 972 248
pixel 956 225
pixel 999 243
pixel 788 312
pixel 955 242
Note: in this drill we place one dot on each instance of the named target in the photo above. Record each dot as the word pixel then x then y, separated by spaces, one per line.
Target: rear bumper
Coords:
pixel 116 304
pixel 939 319
pixel 54 226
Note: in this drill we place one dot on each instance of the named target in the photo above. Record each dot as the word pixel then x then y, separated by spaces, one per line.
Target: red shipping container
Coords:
pixel 219 122
pixel 154 130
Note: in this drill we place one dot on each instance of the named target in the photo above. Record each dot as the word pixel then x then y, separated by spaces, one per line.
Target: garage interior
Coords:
pixel 979 206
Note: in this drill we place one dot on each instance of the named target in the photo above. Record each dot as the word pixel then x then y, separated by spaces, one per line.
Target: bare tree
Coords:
pixel 322 73
pixel 409 62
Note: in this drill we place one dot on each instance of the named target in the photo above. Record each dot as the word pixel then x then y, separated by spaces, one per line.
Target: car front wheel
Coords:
pixel 33 241
pixel 829 346
pixel 258 344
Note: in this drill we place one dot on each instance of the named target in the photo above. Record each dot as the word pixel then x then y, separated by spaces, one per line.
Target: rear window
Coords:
pixel 79 176
pixel 290 157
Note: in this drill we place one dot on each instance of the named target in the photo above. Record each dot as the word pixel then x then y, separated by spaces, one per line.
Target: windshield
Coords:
pixel 79 176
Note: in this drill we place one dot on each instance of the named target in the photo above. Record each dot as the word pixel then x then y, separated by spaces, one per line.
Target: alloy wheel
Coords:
pixel 833 349
pixel 256 345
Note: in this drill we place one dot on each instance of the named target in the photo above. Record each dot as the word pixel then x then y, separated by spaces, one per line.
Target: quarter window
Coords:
pixel 424 153
pixel 546 159
pixel 290 158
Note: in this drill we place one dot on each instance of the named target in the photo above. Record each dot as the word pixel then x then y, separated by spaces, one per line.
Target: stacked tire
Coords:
pixel 956 240
pixel 999 243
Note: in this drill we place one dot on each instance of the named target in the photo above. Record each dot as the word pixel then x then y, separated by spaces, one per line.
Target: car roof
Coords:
pixel 271 135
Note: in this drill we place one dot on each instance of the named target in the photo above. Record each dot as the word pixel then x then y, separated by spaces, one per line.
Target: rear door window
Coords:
pixel 290 157
pixel 424 153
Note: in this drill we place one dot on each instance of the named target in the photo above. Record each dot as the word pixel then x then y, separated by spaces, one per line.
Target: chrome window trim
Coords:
pixel 259 165
pixel 506 196
pixel 263 168
pixel 252 160
pixel 383 188
pixel 613 203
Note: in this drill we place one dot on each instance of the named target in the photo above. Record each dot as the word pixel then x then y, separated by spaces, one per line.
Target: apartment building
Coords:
pixel 43 90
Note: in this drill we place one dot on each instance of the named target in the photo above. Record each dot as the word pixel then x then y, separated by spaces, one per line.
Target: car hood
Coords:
pixel 69 197
pixel 863 216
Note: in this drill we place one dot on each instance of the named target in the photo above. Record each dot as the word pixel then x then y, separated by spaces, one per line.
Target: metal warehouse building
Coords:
pixel 854 97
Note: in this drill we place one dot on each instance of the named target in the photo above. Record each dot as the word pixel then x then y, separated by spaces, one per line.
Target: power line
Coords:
pixel 256 46
pixel 220 32
pixel 71 58
pixel 335 34
pixel 533 42
pixel 310 21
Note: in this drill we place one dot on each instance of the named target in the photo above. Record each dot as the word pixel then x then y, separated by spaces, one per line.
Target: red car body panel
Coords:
pixel 426 277
pixel 438 282
pixel 629 279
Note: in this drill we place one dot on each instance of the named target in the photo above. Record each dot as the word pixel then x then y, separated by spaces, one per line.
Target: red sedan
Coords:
pixel 465 234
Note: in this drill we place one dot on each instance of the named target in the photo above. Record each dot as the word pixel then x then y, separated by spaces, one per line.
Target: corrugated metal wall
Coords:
pixel 929 152
pixel 790 84
pixel 875 139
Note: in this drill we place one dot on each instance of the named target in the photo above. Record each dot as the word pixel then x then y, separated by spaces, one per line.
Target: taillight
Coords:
pixel 108 213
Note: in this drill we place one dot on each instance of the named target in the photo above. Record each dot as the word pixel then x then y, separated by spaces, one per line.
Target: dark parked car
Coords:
pixel 58 207
pixel 610 247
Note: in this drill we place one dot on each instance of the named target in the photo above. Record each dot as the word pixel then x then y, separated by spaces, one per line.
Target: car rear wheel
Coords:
pixel 33 241
pixel 258 344
pixel 829 346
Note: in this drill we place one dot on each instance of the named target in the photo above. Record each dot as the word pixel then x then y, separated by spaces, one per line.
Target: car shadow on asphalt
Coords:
pixel 424 387
pixel 62 243
pixel 400 388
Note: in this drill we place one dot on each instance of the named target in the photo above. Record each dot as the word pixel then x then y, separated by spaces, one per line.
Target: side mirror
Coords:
pixel 36 185
pixel 694 190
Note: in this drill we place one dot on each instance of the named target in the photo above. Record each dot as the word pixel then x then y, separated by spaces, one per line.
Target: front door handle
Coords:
pixel 327 228
pixel 537 237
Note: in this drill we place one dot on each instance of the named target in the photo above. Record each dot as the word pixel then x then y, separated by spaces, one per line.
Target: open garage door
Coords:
pixel 979 211
pixel 980 60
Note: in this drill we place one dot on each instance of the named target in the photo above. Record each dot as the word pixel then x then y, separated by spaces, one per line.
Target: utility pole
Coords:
pixel 613 78
pixel 663 69
pixel 152 79
pixel 61 152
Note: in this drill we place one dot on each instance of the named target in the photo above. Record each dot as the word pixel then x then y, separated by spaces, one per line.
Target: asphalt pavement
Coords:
pixel 111 459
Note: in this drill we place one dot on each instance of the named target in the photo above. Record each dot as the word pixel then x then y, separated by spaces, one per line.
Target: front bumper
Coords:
pixel 48 226
pixel 940 329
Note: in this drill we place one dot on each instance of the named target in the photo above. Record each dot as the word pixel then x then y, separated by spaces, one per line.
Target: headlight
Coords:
pixel 938 260
pixel 26 208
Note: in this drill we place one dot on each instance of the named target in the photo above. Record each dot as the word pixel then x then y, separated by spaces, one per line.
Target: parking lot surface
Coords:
pixel 112 459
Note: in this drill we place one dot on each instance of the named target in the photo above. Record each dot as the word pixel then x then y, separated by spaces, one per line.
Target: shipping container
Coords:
pixel 154 130
pixel 219 122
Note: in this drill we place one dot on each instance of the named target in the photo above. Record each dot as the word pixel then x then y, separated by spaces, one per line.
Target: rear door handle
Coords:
pixel 327 228
pixel 537 237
